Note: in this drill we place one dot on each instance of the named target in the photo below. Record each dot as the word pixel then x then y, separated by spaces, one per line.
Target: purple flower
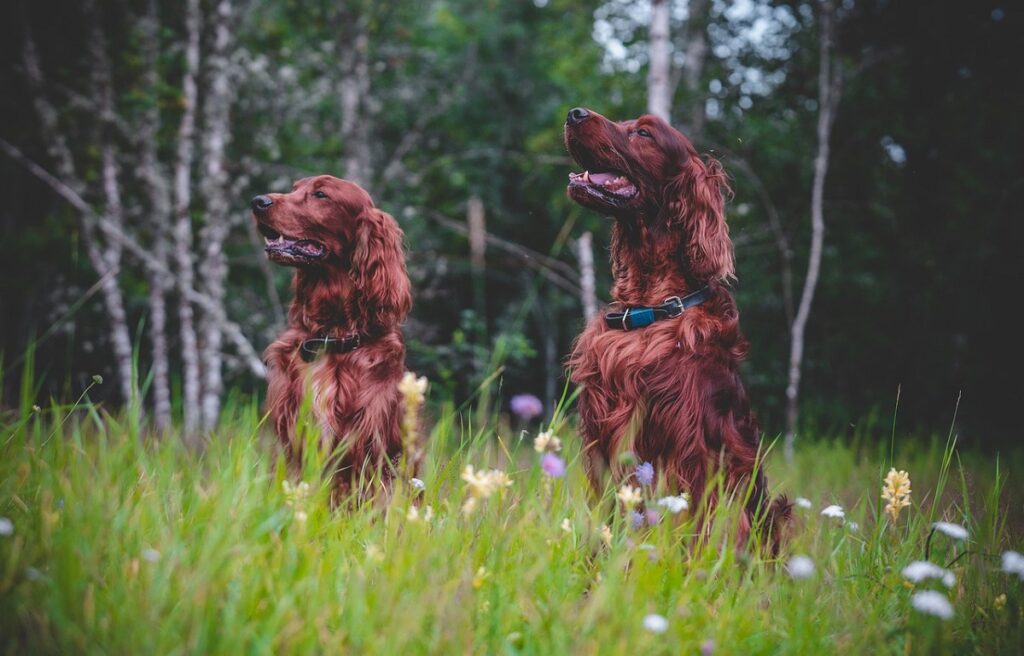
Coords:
pixel 526 406
pixel 707 648
pixel 652 517
pixel 645 474
pixel 552 465
pixel 638 520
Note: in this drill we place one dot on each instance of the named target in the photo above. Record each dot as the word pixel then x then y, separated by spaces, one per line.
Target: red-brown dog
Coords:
pixel 343 341
pixel 660 373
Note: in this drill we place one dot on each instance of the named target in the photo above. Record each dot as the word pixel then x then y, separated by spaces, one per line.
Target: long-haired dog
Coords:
pixel 660 370
pixel 343 342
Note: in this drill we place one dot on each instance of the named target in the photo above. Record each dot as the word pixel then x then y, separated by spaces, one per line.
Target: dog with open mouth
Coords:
pixel 660 369
pixel 344 341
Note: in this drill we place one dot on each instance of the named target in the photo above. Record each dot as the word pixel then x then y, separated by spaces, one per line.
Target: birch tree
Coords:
pixel 659 92
pixel 830 79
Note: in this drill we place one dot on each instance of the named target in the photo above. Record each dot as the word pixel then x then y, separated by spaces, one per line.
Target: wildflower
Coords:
pixel 934 603
pixel 546 441
pixel 999 602
pixel 800 567
pixel 481 575
pixel 36 408
pixel 482 484
pixel 417 484
pixel 526 406
pixel 150 555
pixel 921 570
pixel 1013 563
pixel 413 389
pixel 853 526
pixel 606 534
pixel 834 511
pixel 629 495
pixel 803 503
pixel 566 525
pixel 655 623
pixel 637 518
pixel 676 504
pixel 97 379
pixel 414 514
pixel 552 465
pixel 645 474
pixel 301 516
pixel 896 492
pixel 707 648
pixel 6 527
pixel 651 516
pixel 954 531
pixel 374 553
pixel 294 495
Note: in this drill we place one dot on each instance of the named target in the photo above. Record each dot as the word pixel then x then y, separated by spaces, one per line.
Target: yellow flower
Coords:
pixel 896 492
pixel 481 575
pixel 1000 601
pixel 629 496
pixel 545 441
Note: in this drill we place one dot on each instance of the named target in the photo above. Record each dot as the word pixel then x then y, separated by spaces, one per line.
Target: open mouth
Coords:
pixel 607 185
pixel 288 250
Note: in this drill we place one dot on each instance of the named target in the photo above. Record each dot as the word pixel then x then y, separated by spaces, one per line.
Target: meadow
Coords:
pixel 116 541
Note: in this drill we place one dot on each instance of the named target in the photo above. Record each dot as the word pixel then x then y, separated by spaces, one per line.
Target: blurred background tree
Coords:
pixel 156 121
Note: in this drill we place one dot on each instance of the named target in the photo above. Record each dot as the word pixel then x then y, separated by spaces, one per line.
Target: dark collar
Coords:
pixel 640 316
pixel 311 348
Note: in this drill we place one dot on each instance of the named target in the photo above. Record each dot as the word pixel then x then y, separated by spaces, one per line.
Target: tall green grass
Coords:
pixel 125 543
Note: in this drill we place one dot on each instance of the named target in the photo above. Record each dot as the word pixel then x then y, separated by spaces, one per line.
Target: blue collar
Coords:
pixel 641 316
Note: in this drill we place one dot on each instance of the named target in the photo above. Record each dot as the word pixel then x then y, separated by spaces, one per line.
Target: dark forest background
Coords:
pixel 452 111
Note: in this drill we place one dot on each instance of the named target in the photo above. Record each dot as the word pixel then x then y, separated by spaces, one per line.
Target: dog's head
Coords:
pixel 644 170
pixel 330 228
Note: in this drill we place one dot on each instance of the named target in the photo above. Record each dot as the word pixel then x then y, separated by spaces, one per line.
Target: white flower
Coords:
pixel 606 534
pixel 629 495
pixel 414 514
pixel 934 603
pixel 954 531
pixel 833 511
pixel 546 441
pixel 675 505
pixel 800 567
pixel 1013 563
pixel 417 484
pixel 803 503
pixel 655 623
pixel 567 525
pixel 6 526
pixel 920 570
pixel 150 555
pixel 853 526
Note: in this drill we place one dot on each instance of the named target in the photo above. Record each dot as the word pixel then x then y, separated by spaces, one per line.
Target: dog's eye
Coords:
pixel 319 194
pixel 644 132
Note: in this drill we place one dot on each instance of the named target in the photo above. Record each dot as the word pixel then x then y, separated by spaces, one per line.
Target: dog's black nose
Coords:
pixel 577 115
pixel 261 203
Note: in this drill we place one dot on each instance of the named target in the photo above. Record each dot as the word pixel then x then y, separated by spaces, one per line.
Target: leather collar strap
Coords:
pixel 641 316
pixel 311 348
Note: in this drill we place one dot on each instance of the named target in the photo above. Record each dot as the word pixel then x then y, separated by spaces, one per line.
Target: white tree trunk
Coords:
pixel 353 92
pixel 585 256
pixel 659 96
pixel 159 216
pixel 213 267
pixel 183 221
pixel 829 90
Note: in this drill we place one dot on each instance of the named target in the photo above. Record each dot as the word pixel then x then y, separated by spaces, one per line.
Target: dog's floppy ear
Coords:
pixel 696 204
pixel 378 270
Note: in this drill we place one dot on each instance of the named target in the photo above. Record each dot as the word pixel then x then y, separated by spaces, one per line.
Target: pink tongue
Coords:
pixel 601 178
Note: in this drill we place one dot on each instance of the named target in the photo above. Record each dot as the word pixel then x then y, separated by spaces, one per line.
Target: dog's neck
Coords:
pixel 648 264
pixel 323 303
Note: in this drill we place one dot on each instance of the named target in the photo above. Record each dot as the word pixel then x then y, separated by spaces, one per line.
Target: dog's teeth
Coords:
pixel 280 239
pixel 586 176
